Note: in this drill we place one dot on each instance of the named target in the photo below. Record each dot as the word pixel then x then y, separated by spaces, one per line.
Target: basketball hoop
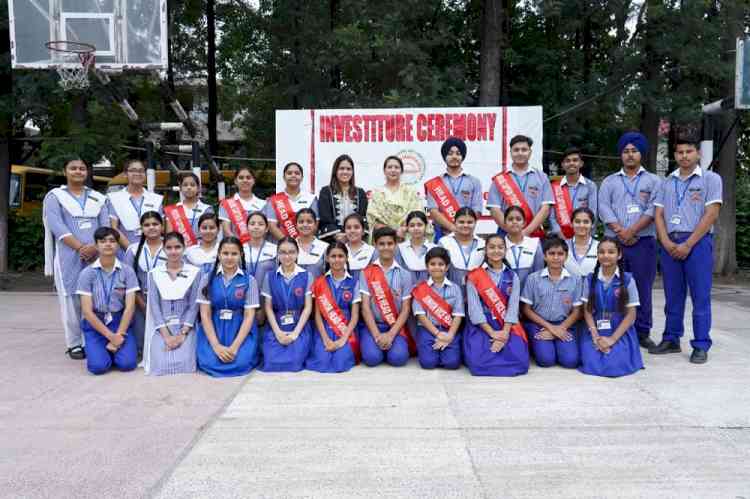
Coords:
pixel 73 62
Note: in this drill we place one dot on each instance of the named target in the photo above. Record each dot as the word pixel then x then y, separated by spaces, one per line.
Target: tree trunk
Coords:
pixel 490 57
pixel 652 86
pixel 6 88
pixel 213 143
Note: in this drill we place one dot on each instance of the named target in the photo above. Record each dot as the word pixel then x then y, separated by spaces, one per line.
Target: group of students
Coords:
pixel 292 283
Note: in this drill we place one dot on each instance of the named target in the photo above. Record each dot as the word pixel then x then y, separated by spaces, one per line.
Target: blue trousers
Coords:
pixel 99 360
pixel 547 353
pixel 429 358
pixel 372 355
pixel 640 260
pixel 694 272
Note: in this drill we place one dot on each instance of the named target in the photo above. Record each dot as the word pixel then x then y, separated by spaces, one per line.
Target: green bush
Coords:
pixel 743 220
pixel 26 240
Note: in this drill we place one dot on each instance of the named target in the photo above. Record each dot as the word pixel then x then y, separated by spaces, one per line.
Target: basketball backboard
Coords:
pixel 126 33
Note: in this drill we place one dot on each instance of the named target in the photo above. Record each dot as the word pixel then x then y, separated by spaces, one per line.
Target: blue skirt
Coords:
pixel 624 358
pixel 285 358
pixel 226 332
pixel 323 361
pixel 512 360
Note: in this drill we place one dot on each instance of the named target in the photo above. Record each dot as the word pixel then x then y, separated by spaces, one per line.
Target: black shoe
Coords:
pixel 699 356
pixel 76 353
pixel 665 346
pixel 646 343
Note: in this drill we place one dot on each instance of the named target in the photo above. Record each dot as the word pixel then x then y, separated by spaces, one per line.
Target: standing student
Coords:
pixel 494 344
pixel 452 190
pixel 626 207
pixel 203 254
pixel 410 253
pixel 524 253
pixel 107 291
pixel 143 257
pixel 311 249
pixel 281 208
pixel 610 345
pixel 687 207
pixel 169 343
pixel 339 199
pixel 227 333
pixel 571 192
pixel 233 211
pixel 386 306
pixel 582 247
pixel 466 249
pixel 521 186
pixel 126 206
pixel 72 214
pixel 260 253
pixel 359 253
pixel 551 301
pixel 438 305
pixel 184 216
pixel 335 348
pixel 288 304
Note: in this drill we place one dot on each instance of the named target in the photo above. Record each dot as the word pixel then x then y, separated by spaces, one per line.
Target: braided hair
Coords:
pixel 623 298
pixel 146 216
pixel 217 262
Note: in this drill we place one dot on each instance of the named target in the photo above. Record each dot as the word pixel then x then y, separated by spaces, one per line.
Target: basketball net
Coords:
pixel 74 72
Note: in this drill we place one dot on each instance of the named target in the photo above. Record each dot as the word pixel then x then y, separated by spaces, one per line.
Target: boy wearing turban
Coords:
pixel 626 207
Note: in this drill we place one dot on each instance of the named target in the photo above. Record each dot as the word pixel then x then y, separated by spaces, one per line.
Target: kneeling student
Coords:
pixel 552 303
pixel 386 305
pixel 107 289
pixel 610 346
pixel 439 308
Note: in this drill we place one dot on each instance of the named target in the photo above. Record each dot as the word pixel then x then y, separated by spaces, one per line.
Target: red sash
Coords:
pixel 332 314
pixel 563 209
pixel 285 215
pixel 495 300
pixel 444 198
pixel 513 196
pixel 383 298
pixel 238 216
pixel 179 221
pixel 433 303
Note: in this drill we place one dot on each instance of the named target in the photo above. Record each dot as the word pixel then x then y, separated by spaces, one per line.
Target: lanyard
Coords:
pixel 604 295
pixel 337 290
pixel 82 204
pixel 467 259
pixel 585 254
pixel 227 287
pixel 107 292
pixel 287 295
pixel 634 192
pixel 681 198
pixel 254 265
pixel 460 182
pixel 152 264
pixel 137 207
pixel 573 193
pixel 525 181
pixel 516 255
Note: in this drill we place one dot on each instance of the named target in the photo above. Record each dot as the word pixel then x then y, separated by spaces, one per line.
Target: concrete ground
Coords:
pixel 672 430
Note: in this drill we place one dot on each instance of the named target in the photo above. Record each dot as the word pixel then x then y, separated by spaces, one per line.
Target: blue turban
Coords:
pixel 450 142
pixel 636 139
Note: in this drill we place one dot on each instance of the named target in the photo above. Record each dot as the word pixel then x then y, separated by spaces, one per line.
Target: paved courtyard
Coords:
pixel 672 430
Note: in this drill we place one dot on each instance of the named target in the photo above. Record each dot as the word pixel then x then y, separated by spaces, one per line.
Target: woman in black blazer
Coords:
pixel 339 199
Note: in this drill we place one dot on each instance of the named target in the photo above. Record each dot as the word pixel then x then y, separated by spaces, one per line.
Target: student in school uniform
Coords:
pixel 71 215
pixel 287 299
pixel 626 207
pixel 466 249
pixel 203 254
pixel 571 192
pixel 169 343
pixel 494 343
pixel 281 208
pixel 143 257
pixel 452 190
pixel 411 252
pixel 126 206
pixel 438 305
pixel 386 306
pixel 551 303
pixel 360 254
pixel 260 253
pixel 524 253
pixel 184 216
pixel 107 292
pixel 233 211
pixel 335 347
pixel 227 333
pixel 521 186
pixel 609 345
pixel 582 247
pixel 311 249
pixel 687 207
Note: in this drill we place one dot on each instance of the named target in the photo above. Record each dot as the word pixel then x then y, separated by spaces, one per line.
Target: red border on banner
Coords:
pixel 312 152
pixel 505 138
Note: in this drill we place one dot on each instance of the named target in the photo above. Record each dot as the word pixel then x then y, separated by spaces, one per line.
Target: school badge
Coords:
pixel 299 292
pixel 415 166
pixel 239 293
pixel 347 295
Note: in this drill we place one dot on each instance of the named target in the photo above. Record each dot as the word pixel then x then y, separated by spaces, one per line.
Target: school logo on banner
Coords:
pixel 414 166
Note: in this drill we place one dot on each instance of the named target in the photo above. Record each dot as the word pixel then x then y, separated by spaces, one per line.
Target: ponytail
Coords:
pixel 593 278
